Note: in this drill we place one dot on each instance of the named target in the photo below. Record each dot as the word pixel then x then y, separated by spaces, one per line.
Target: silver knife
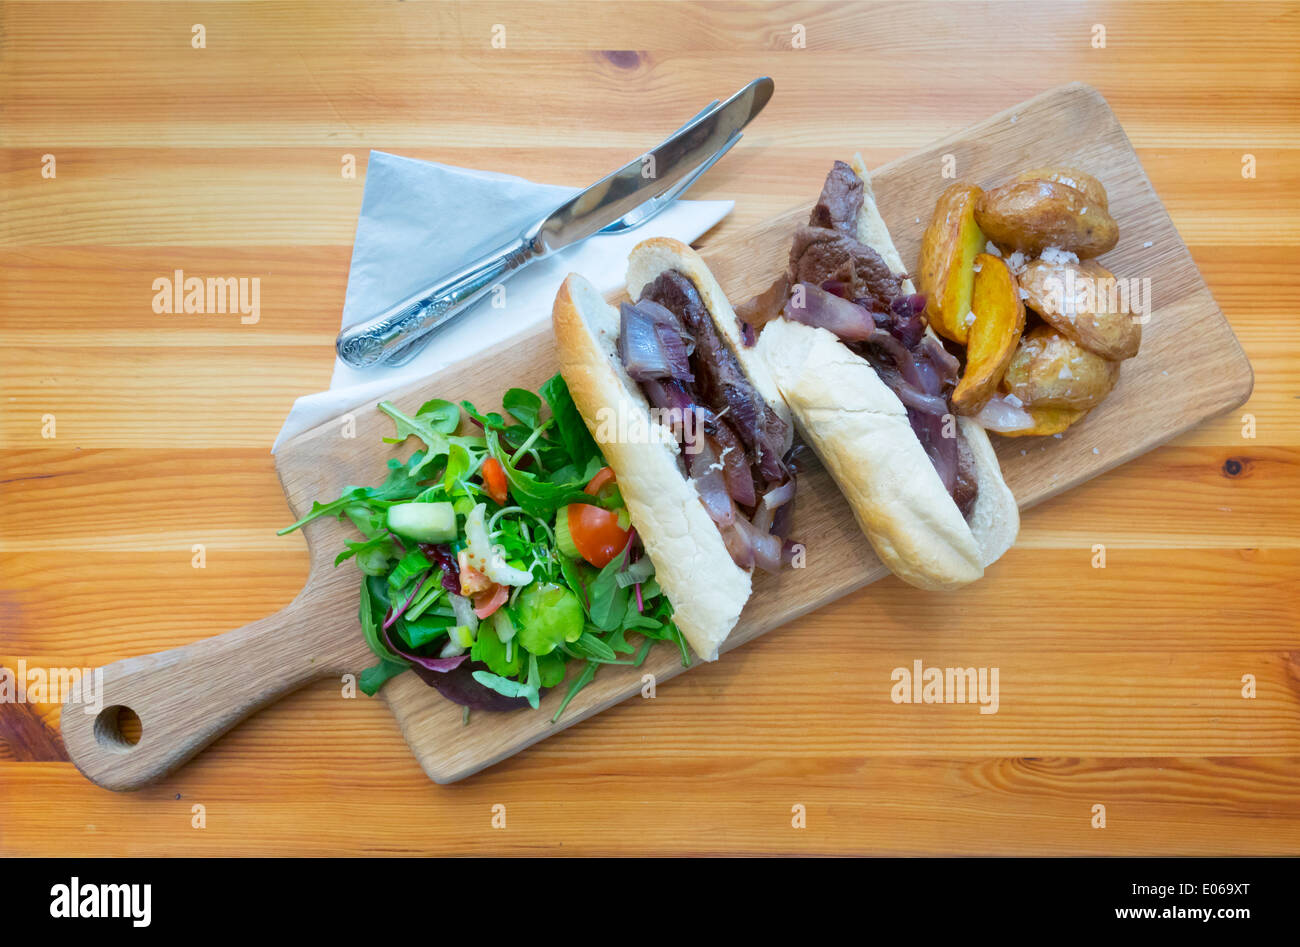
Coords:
pixel 376 340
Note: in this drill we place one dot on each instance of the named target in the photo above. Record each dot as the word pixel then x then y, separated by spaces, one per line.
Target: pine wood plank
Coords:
pixel 1196 85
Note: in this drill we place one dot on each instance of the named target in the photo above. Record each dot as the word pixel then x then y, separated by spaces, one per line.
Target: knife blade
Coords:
pixel 640 180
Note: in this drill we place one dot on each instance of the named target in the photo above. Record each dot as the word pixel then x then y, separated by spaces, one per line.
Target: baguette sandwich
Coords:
pixel 870 385
pixel 692 424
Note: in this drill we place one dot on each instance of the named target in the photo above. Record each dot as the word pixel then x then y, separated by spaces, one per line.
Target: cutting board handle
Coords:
pixel 187 697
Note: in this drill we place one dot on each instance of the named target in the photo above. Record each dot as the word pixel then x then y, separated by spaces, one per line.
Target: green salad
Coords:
pixel 493 559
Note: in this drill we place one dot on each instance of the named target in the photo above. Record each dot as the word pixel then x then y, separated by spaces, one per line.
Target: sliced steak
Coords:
pixel 966 490
pixel 840 202
pixel 821 255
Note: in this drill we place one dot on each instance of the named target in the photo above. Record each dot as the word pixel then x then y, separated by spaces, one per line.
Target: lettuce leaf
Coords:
pixel 489 649
pixel 573 432
pixel 548 616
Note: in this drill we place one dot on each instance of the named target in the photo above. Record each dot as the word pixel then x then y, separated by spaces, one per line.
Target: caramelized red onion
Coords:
pixel 667 394
pixel 822 309
pixel 775 501
pixel 750 547
pixel 653 343
pixel 944 361
pixel 735 467
pixel 759 311
pixel 705 468
pixel 1003 415
pixel 941 450
pixel 906 324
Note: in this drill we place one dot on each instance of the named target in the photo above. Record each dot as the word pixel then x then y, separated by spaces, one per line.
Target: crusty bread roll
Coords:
pixel 705 586
pixel 859 429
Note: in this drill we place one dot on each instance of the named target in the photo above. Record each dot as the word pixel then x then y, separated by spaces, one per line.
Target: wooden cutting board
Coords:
pixel 1190 368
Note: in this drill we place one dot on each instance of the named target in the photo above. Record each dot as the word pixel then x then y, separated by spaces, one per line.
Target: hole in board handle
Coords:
pixel 118 728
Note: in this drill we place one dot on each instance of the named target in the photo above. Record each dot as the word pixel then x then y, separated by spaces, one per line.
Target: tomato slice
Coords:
pixel 494 479
pixel 603 476
pixel 596 533
pixel 485 603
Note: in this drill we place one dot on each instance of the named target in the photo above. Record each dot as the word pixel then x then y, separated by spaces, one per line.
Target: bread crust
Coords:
pixel 705 586
pixel 859 429
pixel 995 521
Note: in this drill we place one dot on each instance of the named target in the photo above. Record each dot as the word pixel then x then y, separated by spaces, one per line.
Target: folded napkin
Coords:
pixel 419 221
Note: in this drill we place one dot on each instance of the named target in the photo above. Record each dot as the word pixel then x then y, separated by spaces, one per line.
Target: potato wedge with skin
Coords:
pixel 1031 216
pixel 948 248
pixel 1081 181
pixel 1082 300
pixel 994 335
pixel 1052 371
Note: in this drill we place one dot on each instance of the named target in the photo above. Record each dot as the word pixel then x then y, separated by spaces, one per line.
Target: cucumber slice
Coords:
pixel 423 522
pixel 563 539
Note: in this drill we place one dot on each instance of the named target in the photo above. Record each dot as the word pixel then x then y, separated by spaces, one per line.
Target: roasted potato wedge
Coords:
pixel 999 320
pixel 1081 181
pixel 1031 216
pixel 948 248
pixel 1050 370
pixel 1081 300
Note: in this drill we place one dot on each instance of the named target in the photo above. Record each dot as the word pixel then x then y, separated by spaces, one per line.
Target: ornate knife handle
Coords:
pixel 376 340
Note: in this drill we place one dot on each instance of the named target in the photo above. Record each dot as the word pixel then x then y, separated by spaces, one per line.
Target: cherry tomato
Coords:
pixel 472 582
pixel 494 479
pixel 603 476
pixel 596 533
pixel 487 602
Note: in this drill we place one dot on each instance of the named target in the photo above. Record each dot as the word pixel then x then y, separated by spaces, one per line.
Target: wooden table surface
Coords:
pixel 225 160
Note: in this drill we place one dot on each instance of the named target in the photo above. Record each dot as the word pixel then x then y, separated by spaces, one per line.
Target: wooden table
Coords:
pixel 226 160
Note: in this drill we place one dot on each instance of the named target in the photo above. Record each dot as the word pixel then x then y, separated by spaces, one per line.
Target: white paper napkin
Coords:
pixel 420 220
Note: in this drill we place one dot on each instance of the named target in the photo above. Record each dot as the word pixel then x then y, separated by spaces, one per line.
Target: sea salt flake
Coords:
pixel 1057 255
pixel 991 249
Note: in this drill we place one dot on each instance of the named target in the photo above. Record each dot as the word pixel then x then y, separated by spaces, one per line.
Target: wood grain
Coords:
pixel 173 451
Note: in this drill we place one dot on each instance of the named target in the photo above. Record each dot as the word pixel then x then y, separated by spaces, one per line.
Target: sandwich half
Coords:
pixel 693 425
pixel 869 386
